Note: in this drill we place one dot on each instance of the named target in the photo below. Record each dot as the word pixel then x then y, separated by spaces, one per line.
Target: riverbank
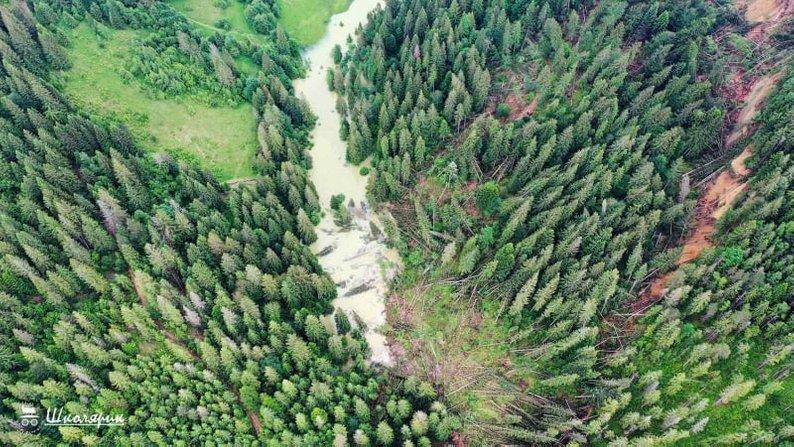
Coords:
pixel 355 257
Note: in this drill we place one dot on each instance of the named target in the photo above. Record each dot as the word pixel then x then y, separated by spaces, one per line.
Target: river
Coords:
pixel 359 263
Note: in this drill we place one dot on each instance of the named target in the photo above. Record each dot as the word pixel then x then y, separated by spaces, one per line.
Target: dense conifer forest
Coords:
pixel 592 202
pixel 546 158
pixel 138 285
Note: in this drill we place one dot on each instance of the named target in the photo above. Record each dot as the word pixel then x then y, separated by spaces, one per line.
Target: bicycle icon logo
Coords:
pixel 29 417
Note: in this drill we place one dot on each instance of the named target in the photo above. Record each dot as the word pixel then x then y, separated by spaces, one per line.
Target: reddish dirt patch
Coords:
pixel 519 109
pixel 761 10
pixel 512 94
pixel 767 15
pixel 713 204
pixel 718 196
pixel 458 440
pixel 404 316
pixel 655 291
pixel 753 98
pixel 736 90
pixel 738 164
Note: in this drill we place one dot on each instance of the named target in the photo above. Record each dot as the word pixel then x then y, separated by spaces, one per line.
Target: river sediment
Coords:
pixel 356 257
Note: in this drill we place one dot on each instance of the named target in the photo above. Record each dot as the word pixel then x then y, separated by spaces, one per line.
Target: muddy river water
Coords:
pixel 356 258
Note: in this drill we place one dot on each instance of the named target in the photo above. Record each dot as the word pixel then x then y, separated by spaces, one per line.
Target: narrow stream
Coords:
pixel 357 260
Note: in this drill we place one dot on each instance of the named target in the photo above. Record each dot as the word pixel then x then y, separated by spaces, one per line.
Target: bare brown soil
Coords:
pixel 519 109
pixel 766 15
pixel 513 94
pixel 718 196
pixel 761 10
pixel 753 99
pixel 713 204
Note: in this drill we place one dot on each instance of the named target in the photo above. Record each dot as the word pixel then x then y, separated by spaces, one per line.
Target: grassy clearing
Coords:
pixel 206 12
pixel 460 345
pixel 305 20
pixel 222 139
pixel 246 66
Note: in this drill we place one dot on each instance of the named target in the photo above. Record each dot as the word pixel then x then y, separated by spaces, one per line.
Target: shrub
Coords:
pixel 502 110
pixel 336 201
pixel 487 197
pixel 223 23
pixel 732 256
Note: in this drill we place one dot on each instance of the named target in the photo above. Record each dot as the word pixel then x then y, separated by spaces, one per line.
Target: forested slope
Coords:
pixel 712 359
pixel 136 284
pixel 545 156
pixel 543 162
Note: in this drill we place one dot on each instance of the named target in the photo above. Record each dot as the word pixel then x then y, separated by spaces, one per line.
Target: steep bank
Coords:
pixel 719 195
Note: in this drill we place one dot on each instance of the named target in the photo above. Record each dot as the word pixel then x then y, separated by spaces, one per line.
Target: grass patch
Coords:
pixel 206 12
pixel 305 20
pixel 222 139
pixel 246 66
pixel 461 346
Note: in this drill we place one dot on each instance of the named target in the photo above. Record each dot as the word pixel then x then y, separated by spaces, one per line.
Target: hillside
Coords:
pixel 396 223
pixel 548 167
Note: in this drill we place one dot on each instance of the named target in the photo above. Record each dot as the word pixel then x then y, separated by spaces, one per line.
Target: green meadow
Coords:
pixel 305 20
pixel 207 12
pixel 222 139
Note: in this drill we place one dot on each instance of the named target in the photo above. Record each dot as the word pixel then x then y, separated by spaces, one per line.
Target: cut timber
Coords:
pixel 361 288
pixel 241 181
pixel 376 233
pixel 326 250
